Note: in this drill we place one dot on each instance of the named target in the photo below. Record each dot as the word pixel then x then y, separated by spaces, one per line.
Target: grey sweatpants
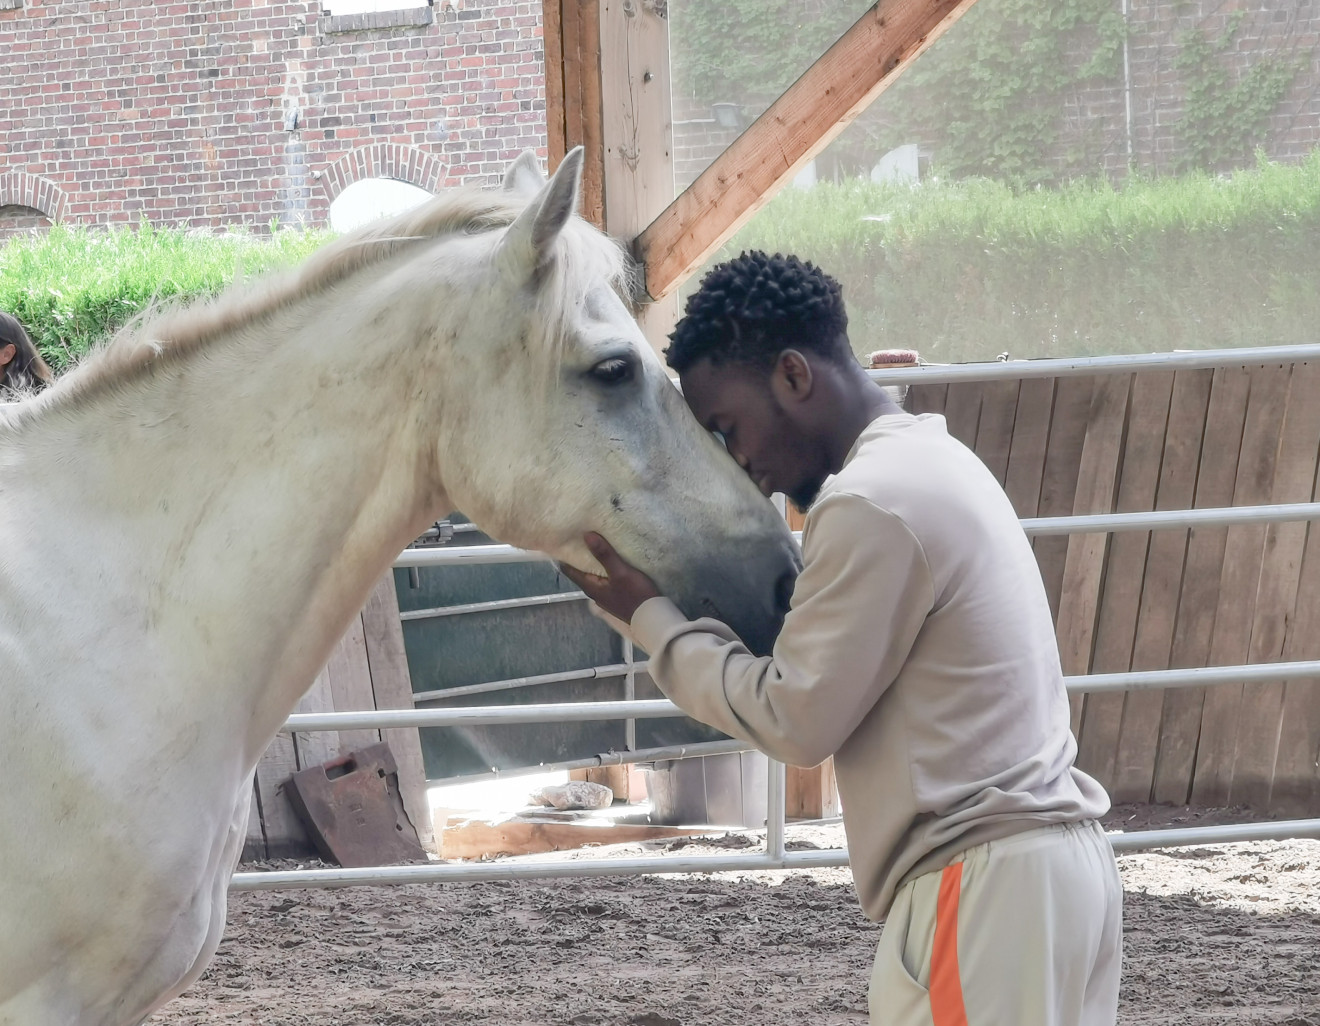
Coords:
pixel 1025 931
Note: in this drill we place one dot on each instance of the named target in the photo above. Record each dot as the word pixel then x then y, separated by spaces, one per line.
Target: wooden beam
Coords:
pixel 797 126
pixel 573 94
pixel 637 132
pixel 552 38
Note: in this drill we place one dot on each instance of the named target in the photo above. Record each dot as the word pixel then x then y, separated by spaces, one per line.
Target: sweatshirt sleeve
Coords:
pixel 864 592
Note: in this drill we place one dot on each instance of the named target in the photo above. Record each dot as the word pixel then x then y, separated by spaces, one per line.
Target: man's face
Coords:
pixel 760 431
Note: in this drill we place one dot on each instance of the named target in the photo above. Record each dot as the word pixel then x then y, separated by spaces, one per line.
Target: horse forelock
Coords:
pixel 171 330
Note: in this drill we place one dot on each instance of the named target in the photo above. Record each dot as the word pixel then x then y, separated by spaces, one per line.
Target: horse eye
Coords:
pixel 613 371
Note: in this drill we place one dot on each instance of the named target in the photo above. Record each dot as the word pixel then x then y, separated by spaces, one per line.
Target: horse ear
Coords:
pixel 527 241
pixel 524 175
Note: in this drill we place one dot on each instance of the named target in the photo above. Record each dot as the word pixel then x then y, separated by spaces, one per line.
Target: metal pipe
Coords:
pixel 590 673
pixel 776 779
pixel 1069 368
pixel 468 555
pixel 1093 523
pixel 628 758
pixel 486 607
pixel 574 712
pixel 1281 830
pixel 1190 677
pixel 1218 516
pixel 1139 840
pixel 482 715
pixel 629 693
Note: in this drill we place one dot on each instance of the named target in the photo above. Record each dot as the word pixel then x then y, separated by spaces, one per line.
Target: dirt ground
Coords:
pixel 1229 934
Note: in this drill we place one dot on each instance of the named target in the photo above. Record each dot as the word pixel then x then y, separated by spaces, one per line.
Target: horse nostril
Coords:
pixel 784 591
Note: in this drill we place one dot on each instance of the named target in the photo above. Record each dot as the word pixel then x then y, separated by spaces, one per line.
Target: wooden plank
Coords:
pixel 962 411
pixel 1031 435
pixel 1134 764
pixel 254 844
pixel 927 398
pixel 1084 565
pixel 391 683
pixel 811 792
pixel 580 31
pixel 552 33
pixel 994 429
pixel 464 838
pixel 1180 724
pixel 1259 726
pixel 1239 584
pixel 315 747
pixel 637 134
pixel 350 685
pixel 1058 485
pixel 1116 627
pixel 797 126
pixel 285 835
pixel 1295 790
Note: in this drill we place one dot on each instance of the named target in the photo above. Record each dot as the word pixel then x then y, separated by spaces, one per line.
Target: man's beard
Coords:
pixel 805 494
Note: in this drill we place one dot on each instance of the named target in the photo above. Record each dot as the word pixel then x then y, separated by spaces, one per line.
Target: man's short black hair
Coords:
pixel 750 309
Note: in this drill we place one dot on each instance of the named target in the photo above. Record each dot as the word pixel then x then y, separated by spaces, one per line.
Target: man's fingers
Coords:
pixel 602 550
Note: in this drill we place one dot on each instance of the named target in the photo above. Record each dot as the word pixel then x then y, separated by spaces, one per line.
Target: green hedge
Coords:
pixel 967 270
pixel 74 286
pixel 959 271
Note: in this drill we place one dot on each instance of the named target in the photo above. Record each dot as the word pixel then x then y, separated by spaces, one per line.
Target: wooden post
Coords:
pixel 637 132
pixel 573 94
pixel 797 126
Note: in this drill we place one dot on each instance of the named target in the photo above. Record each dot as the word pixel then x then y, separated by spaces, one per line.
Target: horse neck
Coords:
pixel 237 506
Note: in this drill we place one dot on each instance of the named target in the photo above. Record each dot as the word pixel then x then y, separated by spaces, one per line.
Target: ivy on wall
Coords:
pixel 1006 93
pixel 989 97
pixel 1224 121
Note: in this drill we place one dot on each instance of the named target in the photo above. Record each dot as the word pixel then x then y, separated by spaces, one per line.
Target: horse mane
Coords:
pixel 171 330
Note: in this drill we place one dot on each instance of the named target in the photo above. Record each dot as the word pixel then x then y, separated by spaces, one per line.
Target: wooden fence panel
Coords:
pixel 1084 565
pixel 1116 627
pixel 1172 598
pixel 1031 436
pixel 1239 584
pixel 1194 628
pixel 1058 486
pixel 1134 762
pixel 1257 728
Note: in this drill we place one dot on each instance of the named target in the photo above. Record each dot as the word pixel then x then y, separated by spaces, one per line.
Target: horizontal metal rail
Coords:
pixel 1155 520
pixel 590 673
pixel 483 715
pixel 493 605
pixel 575 712
pixel 1218 516
pixel 1070 368
pixel 1141 840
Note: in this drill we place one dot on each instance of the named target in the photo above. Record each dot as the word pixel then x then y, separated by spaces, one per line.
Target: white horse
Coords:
pixel 189 520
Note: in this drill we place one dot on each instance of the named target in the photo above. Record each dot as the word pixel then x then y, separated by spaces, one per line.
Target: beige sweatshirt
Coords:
pixel 919 651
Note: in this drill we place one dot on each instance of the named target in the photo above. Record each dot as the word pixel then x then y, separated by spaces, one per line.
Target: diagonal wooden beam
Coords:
pixel 797 126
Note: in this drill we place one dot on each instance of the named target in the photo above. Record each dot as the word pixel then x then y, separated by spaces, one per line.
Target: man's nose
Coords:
pixel 739 458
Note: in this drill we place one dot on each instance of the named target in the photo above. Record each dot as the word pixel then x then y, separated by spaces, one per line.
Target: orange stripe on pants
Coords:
pixel 946 996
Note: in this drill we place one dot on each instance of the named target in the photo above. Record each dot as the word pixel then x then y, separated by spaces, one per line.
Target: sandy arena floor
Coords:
pixel 1229 934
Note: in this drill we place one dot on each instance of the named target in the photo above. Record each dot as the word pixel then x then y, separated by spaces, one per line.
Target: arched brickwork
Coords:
pixel 20 189
pixel 383 160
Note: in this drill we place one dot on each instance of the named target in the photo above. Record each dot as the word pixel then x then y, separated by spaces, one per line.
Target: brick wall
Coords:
pixel 237 111
pixel 1094 133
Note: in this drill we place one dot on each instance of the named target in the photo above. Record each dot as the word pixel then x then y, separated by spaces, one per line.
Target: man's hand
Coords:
pixel 622 591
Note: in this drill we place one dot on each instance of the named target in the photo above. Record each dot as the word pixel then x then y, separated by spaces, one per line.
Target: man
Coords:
pixel 919 651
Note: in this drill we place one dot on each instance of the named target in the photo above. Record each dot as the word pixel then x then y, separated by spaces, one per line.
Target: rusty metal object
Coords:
pixel 352 808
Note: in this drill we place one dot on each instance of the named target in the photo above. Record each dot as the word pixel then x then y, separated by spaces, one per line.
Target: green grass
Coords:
pixel 967 270
pixel 74 286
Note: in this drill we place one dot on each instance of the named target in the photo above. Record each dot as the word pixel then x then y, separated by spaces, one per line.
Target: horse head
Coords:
pixel 570 423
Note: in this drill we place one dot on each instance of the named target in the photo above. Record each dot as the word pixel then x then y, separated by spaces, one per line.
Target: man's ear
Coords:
pixel 792 380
